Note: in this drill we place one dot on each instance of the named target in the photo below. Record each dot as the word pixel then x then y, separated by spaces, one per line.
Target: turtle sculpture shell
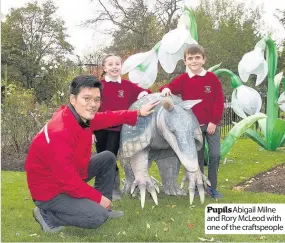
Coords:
pixel 136 138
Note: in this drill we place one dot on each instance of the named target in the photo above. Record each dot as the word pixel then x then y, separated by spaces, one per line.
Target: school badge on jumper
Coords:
pixel 207 89
pixel 121 93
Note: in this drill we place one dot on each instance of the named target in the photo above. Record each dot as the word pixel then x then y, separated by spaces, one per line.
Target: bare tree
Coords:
pixel 123 14
pixel 138 24
pixel 280 15
pixel 166 12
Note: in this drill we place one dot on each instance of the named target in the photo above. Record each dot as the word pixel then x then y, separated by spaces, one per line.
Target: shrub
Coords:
pixel 21 119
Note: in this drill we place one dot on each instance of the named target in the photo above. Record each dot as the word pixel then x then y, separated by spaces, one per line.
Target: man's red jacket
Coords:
pixel 59 155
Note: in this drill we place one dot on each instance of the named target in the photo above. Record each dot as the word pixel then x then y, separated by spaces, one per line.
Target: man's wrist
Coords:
pixel 139 112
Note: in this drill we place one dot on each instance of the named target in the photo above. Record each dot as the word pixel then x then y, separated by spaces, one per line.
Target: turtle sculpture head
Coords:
pixel 169 136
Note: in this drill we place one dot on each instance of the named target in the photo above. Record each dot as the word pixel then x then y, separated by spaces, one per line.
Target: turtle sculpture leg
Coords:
pixel 139 164
pixel 117 191
pixel 129 175
pixel 168 165
pixel 169 170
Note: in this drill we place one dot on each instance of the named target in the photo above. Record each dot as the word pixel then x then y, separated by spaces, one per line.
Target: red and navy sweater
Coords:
pixel 208 88
pixel 119 96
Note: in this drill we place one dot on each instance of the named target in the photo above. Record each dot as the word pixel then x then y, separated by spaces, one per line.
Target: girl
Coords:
pixel 117 94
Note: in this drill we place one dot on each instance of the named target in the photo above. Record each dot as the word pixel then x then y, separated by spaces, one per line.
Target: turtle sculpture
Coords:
pixel 170 135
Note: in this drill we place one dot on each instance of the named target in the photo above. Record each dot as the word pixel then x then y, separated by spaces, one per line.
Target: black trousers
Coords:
pixel 108 140
pixel 81 212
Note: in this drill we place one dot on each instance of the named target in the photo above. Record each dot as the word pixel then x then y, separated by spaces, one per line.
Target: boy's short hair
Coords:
pixel 194 49
pixel 84 81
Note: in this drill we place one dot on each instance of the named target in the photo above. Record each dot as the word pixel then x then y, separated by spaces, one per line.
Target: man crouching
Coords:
pixel 58 164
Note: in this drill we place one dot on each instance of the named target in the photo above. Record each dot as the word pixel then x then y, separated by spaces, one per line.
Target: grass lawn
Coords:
pixel 172 220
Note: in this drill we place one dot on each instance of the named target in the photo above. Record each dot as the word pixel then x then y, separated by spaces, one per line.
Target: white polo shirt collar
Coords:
pixel 109 79
pixel 191 75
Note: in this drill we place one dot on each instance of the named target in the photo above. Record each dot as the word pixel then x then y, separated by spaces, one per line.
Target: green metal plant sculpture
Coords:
pixel 246 101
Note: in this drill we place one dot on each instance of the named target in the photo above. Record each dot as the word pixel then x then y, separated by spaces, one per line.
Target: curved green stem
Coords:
pixel 156 47
pixel 239 129
pixel 272 93
pixel 235 80
pixel 193 24
pixel 271 57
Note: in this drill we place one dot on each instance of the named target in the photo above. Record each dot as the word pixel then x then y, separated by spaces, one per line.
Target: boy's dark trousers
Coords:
pixel 214 154
pixel 64 210
pixel 109 140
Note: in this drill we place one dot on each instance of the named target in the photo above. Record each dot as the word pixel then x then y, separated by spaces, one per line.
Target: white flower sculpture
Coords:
pixel 253 62
pixel 246 100
pixel 142 67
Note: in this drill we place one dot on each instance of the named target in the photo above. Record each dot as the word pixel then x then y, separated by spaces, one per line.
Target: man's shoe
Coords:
pixel 43 220
pixel 114 214
pixel 213 193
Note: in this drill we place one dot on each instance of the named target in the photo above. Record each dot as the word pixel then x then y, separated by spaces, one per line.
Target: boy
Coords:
pixel 197 83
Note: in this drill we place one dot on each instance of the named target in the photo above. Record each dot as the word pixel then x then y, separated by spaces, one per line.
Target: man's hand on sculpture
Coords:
pixel 166 92
pixel 106 203
pixel 211 128
pixel 147 109
pixel 142 94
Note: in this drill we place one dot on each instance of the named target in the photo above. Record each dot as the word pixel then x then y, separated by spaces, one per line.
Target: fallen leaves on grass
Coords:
pixel 204 239
pixel 237 188
pixel 190 226
pixel 250 181
pixel 171 206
